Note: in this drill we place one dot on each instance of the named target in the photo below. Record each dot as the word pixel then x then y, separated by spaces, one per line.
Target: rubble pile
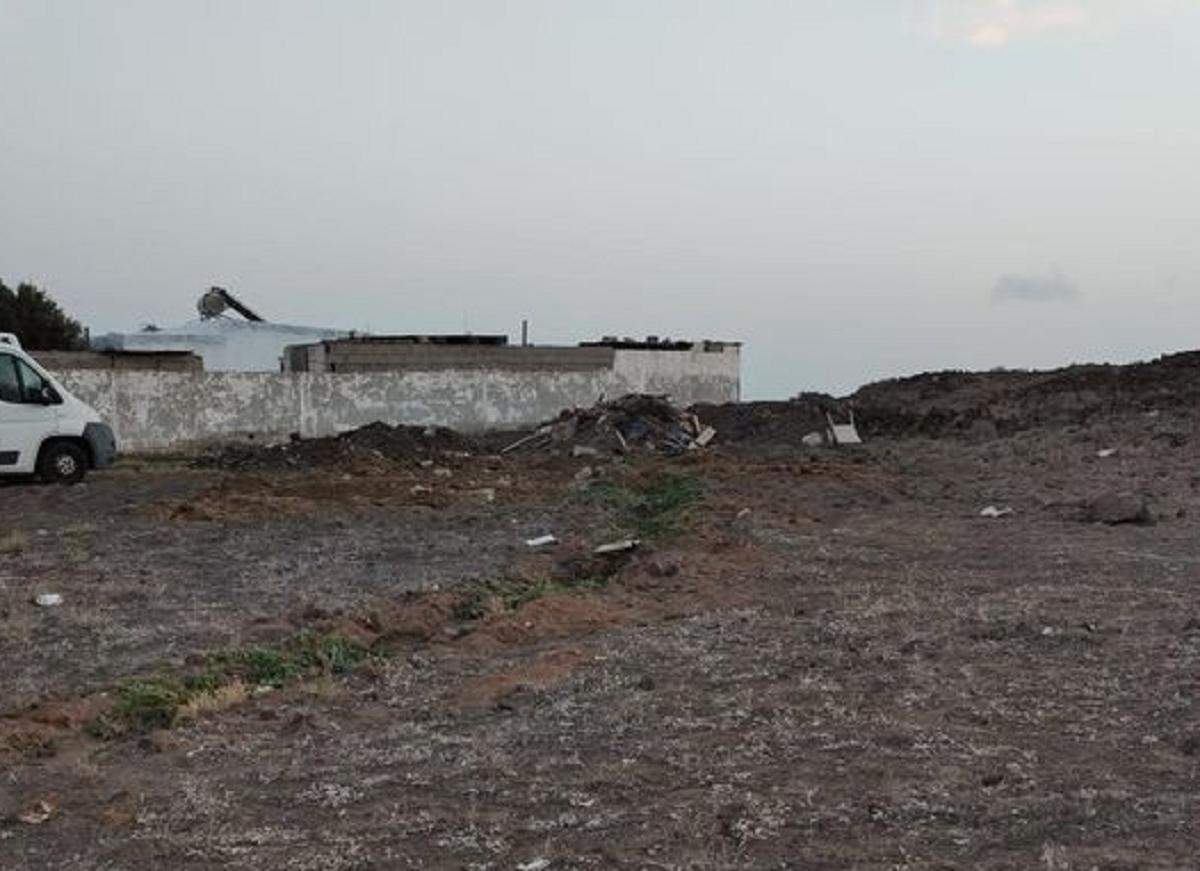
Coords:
pixel 635 421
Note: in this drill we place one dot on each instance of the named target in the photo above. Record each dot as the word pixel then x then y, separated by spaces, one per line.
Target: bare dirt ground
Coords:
pixel 817 658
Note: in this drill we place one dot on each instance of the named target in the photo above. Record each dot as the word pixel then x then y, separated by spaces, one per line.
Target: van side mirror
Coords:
pixel 49 396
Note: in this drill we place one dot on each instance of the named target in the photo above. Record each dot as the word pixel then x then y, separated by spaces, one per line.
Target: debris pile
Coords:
pixel 635 421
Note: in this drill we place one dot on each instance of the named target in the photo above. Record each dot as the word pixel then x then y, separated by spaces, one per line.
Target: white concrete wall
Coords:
pixel 165 410
pixel 669 371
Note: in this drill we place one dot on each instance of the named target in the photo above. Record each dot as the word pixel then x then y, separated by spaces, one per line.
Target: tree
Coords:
pixel 37 320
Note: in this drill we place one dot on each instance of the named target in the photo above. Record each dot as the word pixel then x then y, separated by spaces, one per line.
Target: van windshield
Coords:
pixel 19 382
pixel 10 383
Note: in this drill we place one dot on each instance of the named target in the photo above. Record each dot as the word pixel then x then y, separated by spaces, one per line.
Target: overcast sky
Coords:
pixel 854 188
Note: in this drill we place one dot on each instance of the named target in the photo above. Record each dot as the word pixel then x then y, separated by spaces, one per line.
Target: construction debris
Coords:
pixel 633 421
pixel 540 434
pixel 843 433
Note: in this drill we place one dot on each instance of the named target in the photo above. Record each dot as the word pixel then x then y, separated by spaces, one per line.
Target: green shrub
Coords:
pixel 151 702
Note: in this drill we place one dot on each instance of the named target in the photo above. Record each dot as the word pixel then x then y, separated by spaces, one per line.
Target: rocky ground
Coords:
pixel 345 655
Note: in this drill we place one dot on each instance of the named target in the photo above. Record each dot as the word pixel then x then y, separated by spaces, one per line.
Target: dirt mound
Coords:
pixel 376 443
pixel 987 404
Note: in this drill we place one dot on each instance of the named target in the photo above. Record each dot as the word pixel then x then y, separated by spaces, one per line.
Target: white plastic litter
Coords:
pixel 993 512
pixel 618 546
pixel 541 541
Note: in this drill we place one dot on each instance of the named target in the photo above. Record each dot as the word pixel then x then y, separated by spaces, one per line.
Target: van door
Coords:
pixel 25 417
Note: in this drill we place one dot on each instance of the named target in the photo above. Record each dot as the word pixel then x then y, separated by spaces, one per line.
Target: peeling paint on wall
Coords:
pixel 152 411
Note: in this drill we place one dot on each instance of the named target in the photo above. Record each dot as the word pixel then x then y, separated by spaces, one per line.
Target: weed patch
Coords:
pixel 653 510
pixel 257 666
pixel 158 701
pixel 274 666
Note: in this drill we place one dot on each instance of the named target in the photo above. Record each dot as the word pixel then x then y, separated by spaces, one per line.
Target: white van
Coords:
pixel 44 430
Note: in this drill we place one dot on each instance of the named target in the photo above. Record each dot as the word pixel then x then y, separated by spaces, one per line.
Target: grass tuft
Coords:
pixel 212 701
pixel 304 654
pixel 653 510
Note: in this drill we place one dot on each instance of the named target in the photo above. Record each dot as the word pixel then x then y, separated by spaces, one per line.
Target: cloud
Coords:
pixel 992 24
pixel 1054 287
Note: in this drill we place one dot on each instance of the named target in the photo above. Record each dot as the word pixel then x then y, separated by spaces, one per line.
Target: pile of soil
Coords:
pixel 970 404
pixel 375 443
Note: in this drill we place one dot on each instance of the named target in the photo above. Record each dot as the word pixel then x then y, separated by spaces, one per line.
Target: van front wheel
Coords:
pixel 62 463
